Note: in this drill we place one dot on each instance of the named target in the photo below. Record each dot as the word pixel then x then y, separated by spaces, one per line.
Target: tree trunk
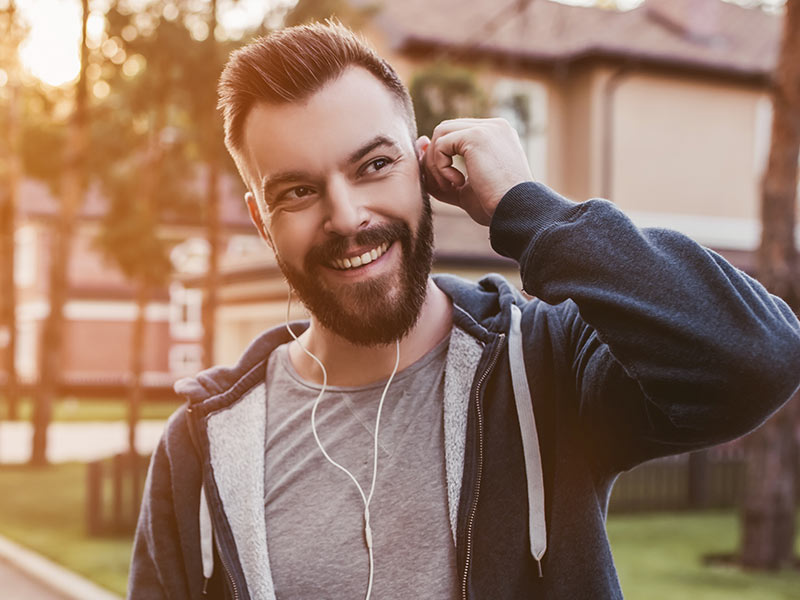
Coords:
pixel 212 206
pixel 768 515
pixel 73 185
pixel 136 390
pixel 9 174
pixel 212 275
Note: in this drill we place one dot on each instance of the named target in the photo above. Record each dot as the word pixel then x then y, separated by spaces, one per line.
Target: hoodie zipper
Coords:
pixel 476 490
pixel 228 573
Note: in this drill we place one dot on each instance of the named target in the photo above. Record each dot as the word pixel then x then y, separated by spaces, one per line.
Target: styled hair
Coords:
pixel 290 65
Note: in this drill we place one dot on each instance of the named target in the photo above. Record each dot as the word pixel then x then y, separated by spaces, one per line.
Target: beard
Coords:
pixel 380 310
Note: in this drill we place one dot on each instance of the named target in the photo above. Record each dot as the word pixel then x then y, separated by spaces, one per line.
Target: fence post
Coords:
pixel 94 497
pixel 134 461
pixel 698 479
pixel 117 472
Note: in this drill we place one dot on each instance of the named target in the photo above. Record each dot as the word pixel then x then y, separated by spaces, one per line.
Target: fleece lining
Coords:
pixel 236 441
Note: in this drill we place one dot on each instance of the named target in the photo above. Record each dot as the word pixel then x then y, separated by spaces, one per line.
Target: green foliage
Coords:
pixel 153 130
pixel 444 91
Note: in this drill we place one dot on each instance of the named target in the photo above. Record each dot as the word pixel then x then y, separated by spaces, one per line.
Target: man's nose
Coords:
pixel 346 213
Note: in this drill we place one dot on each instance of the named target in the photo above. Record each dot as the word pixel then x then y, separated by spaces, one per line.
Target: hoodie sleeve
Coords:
pixel 165 545
pixel 671 347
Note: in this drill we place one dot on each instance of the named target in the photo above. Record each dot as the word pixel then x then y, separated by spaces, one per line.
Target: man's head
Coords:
pixel 288 66
pixel 322 131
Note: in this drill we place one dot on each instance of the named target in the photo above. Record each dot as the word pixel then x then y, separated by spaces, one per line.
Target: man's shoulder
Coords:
pixel 219 380
pixel 488 301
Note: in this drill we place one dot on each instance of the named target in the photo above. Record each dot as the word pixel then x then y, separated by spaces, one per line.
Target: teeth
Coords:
pixel 364 259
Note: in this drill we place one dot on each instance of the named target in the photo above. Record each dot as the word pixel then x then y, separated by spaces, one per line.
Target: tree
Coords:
pixel 73 186
pixel 768 514
pixel 12 33
pixel 206 109
pixel 444 91
pixel 143 160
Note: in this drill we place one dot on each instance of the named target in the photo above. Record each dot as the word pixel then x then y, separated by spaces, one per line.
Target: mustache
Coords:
pixel 336 247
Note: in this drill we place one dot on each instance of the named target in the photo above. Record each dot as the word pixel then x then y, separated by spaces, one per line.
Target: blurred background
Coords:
pixel 127 259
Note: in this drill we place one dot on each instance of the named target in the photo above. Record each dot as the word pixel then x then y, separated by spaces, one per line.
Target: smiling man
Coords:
pixel 429 437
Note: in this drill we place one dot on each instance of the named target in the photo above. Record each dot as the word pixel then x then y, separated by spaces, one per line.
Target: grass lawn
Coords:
pixel 658 556
pixel 110 409
pixel 43 509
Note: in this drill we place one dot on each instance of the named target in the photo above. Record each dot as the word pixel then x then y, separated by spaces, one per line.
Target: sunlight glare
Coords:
pixel 51 50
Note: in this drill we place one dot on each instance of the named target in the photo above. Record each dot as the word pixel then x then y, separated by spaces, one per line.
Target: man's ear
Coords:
pixel 421 145
pixel 257 218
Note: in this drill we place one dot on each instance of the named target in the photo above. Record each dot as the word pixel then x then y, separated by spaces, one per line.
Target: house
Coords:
pixel 100 307
pixel 663 109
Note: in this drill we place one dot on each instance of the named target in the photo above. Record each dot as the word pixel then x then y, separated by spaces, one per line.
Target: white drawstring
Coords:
pixel 366 499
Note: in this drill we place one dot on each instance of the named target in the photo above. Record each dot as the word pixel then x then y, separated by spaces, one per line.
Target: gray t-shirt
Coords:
pixel 314 513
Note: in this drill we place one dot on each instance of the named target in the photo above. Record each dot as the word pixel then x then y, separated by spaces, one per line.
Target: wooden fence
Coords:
pixel 711 478
pixel 113 493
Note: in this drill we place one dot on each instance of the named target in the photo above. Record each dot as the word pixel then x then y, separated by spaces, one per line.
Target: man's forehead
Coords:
pixel 337 120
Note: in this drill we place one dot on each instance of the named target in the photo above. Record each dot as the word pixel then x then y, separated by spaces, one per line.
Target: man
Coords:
pixel 505 421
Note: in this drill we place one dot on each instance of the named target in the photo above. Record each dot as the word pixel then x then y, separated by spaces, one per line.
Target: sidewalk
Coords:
pixel 18 586
pixel 76 441
pixel 26 575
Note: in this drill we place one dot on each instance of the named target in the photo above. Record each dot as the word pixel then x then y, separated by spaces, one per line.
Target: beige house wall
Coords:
pixel 685 146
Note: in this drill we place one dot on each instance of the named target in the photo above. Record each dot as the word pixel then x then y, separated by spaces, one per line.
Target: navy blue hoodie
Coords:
pixel 637 344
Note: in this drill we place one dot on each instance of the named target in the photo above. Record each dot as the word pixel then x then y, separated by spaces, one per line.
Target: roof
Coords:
pixel 707 35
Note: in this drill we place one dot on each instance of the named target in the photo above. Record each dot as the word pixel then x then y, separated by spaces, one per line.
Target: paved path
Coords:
pixel 76 441
pixel 26 575
pixel 18 586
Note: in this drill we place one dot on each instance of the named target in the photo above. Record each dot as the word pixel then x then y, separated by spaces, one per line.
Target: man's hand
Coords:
pixel 494 160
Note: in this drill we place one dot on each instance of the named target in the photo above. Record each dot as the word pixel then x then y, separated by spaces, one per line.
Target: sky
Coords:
pixel 50 52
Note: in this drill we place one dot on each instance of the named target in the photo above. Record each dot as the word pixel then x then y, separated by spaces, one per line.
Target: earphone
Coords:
pixel 366 499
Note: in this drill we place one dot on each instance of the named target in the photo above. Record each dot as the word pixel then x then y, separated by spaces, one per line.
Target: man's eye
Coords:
pixel 299 192
pixel 376 165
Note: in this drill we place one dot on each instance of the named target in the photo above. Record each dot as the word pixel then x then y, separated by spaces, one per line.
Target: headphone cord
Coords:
pixel 366 499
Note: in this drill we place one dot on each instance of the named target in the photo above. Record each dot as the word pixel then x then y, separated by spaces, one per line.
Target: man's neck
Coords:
pixel 349 364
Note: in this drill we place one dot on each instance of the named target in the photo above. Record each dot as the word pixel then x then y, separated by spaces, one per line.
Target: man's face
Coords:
pixel 338 197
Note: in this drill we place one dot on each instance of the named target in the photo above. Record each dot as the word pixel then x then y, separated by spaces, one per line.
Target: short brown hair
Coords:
pixel 292 64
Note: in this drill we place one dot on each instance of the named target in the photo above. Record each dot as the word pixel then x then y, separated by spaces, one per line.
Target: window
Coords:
pixel 185 359
pixel 185 312
pixel 190 256
pixel 524 105
pixel 762 134
pixel 25 240
pixel 25 358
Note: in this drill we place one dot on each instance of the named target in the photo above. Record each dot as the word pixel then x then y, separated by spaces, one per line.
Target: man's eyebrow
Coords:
pixel 376 142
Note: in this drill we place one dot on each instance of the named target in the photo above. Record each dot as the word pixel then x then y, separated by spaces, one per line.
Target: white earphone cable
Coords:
pixel 366 499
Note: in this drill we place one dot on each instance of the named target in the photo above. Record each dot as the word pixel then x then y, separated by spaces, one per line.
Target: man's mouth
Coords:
pixel 353 262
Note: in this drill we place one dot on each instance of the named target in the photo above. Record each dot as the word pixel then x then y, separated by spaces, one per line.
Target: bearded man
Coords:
pixel 428 437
